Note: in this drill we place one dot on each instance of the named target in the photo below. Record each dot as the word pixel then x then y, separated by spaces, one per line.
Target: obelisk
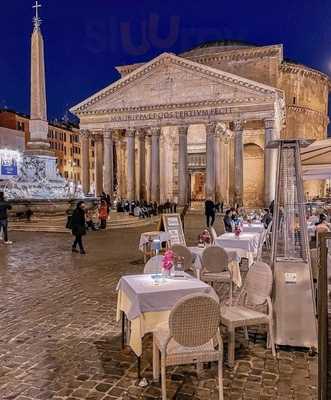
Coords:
pixel 38 143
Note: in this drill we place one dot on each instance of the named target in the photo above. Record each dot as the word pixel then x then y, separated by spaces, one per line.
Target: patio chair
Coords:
pixel 187 337
pixel 255 292
pixel 268 238
pixel 213 234
pixel 184 252
pixel 154 265
pixel 222 226
pixel 215 267
pixel 261 244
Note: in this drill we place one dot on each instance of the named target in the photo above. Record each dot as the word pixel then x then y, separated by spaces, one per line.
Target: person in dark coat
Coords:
pixel 4 207
pixel 267 218
pixel 228 221
pixel 210 212
pixel 78 227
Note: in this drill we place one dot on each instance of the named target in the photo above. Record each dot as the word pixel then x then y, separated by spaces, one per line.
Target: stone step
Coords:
pixel 59 226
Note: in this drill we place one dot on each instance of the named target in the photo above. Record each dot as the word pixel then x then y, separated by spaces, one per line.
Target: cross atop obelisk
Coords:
pixel 36 19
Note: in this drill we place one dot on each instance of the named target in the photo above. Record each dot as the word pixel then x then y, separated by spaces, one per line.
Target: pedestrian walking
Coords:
pixel 4 207
pixel 103 214
pixel 78 227
pixel 210 212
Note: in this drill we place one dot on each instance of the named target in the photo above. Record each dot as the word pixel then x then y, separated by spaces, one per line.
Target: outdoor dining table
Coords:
pixel 256 227
pixel 233 258
pixel 246 244
pixel 146 301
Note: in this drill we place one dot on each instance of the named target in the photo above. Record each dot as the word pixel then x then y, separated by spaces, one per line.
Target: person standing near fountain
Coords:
pixel 78 227
pixel 4 207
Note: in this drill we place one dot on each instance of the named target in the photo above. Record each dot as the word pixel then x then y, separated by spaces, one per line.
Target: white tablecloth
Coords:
pixel 146 305
pixel 234 261
pixel 246 244
pixel 144 238
pixel 253 228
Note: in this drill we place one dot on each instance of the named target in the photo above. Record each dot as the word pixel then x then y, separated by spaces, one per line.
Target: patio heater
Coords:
pixel 294 304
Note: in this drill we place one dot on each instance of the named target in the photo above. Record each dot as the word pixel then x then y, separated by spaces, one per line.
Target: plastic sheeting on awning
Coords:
pixel 316 160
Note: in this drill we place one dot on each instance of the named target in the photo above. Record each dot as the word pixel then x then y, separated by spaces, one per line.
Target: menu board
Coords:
pixel 172 224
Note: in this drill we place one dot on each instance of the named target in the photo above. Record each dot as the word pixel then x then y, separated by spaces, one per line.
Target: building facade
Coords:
pixel 64 140
pixel 197 125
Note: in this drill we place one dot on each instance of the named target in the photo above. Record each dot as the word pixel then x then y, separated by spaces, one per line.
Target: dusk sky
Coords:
pixel 86 39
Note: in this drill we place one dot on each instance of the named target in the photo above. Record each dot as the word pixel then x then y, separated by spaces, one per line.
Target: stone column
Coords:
pixel 210 160
pixel 98 164
pixel 155 165
pixel 108 178
pixel 218 164
pixel 142 166
pixel 131 176
pixel 238 163
pixel 182 165
pixel 270 163
pixel 85 160
pixel 148 175
pixel 225 166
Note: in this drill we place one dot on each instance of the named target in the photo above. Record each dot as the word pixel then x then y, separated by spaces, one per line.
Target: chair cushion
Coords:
pixel 236 316
pixel 161 335
pixel 217 276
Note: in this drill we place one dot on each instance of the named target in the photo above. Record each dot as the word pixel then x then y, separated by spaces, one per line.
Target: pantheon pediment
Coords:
pixel 170 81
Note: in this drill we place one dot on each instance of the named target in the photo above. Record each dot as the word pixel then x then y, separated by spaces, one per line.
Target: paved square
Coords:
pixel 59 339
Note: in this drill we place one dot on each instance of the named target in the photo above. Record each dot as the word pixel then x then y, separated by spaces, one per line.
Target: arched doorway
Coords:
pixel 253 175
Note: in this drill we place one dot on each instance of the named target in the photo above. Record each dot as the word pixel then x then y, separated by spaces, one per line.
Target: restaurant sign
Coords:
pixel 9 163
pixel 172 224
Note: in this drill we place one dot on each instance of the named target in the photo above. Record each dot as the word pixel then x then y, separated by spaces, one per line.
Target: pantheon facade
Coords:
pixel 196 125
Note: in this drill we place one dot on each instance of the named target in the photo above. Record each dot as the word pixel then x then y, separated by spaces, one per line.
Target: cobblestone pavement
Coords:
pixel 59 339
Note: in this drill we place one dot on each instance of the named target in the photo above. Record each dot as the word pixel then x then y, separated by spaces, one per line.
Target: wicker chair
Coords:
pixel 153 265
pixel 213 234
pixel 187 337
pixel 261 244
pixel 215 263
pixel 268 238
pixel 255 292
pixel 184 252
pixel 221 226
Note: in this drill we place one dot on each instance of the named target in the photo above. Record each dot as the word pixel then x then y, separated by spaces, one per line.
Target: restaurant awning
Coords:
pixel 316 160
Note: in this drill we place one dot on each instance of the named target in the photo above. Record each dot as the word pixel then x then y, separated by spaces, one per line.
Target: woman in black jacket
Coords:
pixel 78 227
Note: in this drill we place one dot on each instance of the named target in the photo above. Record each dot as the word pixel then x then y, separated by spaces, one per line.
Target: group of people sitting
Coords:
pixel 232 214
pixel 142 209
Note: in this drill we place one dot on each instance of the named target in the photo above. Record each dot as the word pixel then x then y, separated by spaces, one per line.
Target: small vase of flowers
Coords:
pixel 168 262
pixel 237 230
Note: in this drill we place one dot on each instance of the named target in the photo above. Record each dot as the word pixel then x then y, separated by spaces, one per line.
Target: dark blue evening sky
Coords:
pixel 86 39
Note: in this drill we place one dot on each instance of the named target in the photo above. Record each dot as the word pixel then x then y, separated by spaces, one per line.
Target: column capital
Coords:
pixel 220 130
pixel 141 133
pixel 211 128
pixel 130 132
pixel 108 133
pixel 238 125
pixel 155 131
pixel 97 136
pixel 85 133
pixel 269 123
